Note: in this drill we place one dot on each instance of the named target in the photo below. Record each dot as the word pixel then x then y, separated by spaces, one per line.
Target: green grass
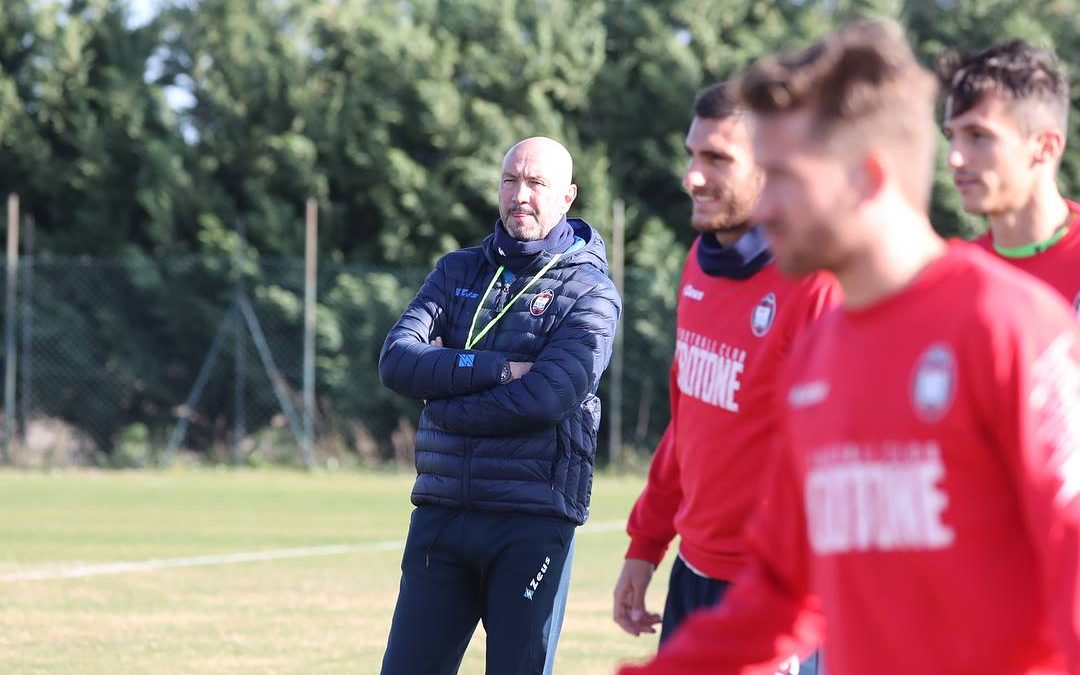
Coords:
pixel 327 614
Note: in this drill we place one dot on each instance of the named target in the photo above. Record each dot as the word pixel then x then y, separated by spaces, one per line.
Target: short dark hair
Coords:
pixel 715 102
pixel 1016 71
pixel 861 85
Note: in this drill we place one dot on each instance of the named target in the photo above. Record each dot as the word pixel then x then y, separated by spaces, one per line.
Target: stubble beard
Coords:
pixel 526 230
pixel 736 205
pixel 734 216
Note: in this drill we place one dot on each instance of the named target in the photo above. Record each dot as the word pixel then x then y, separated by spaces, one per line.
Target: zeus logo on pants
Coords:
pixel 534 583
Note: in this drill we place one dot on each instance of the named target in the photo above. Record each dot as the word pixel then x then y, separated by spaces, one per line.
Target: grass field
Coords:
pixel 66 607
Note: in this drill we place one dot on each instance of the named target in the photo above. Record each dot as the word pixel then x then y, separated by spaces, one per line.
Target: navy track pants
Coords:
pixel 509 570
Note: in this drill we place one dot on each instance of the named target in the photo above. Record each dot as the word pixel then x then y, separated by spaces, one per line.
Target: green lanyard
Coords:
pixel 490 324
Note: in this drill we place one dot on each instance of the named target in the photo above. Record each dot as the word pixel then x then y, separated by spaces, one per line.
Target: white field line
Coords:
pixel 235 558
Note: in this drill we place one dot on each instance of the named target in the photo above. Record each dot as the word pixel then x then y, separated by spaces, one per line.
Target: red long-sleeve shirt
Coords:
pixel 928 489
pixel 706 476
pixel 1058 265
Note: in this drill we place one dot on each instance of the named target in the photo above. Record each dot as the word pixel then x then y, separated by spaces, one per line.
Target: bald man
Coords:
pixel 530 214
pixel 505 344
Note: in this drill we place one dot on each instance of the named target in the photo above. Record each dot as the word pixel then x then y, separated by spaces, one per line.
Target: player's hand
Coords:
pixel 789 667
pixel 519 368
pixel 629 611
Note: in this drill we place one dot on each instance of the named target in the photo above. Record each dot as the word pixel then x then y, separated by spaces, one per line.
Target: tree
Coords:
pixel 202 132
pixel 85 140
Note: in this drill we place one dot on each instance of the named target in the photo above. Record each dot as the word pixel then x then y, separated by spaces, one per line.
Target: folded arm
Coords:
pixel 412 366
pixel 566 371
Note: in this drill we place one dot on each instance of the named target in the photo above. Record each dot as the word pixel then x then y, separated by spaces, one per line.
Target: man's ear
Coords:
pixel 571 195
pixel 1049 145
pixel 870 176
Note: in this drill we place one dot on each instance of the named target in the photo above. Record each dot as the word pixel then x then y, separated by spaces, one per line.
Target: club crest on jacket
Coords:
pixel 541 302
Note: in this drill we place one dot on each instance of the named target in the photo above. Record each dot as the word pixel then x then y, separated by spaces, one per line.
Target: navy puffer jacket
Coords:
pixel 527 446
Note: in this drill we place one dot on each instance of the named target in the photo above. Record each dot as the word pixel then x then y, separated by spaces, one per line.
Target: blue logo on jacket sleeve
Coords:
pixel 466 293
pixel 465 360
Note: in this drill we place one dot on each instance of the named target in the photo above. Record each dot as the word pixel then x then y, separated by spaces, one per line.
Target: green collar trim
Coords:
pixel 1028 250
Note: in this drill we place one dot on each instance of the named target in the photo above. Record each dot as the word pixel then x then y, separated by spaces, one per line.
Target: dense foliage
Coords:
pixel 137 142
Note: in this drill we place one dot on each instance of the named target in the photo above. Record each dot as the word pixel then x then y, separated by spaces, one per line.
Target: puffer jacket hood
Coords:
pixel 592 253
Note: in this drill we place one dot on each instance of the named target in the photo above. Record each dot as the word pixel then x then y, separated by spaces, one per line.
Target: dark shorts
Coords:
pixel 689 592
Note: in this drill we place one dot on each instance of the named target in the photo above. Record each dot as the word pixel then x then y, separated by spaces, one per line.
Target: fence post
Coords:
pixel 281 390
pixel 26 391
pixel 311 254
pixel 10 364
pixel 180 430
pixel 239 353
pixel 618 273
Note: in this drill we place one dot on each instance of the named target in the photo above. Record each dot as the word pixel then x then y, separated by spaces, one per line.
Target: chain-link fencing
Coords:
pixel 143 361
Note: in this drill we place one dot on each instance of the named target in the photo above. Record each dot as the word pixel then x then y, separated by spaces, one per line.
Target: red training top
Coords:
pixel 1058 265
pixel 706 477
pixel 928 490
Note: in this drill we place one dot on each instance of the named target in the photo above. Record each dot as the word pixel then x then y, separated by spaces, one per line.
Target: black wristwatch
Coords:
pixel 505 375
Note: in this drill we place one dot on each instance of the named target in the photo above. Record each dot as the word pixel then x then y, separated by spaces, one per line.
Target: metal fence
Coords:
pixel 141 361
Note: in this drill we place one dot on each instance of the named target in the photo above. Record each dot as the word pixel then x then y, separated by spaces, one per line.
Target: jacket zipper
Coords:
pixel 500 299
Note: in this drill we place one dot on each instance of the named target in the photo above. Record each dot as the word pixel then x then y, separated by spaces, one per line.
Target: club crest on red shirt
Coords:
pixel 761 319
pixel 933 384
pixel 540 303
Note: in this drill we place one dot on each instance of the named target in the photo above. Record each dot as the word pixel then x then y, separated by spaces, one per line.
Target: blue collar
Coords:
pixel 517 255
pixel 741 260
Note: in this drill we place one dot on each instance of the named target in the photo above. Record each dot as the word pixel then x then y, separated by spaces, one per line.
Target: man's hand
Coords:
pixel 437 342
pixel 519 368
pixel 630 612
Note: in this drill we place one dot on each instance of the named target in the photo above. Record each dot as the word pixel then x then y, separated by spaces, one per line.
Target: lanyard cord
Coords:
pixel 480 306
